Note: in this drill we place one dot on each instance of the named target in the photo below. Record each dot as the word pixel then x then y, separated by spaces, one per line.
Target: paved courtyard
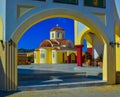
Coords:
pixel 56 74
pixel 92 91
pixel 101 91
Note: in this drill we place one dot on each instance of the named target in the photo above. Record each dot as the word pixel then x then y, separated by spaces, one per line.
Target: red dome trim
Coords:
pixel 57 28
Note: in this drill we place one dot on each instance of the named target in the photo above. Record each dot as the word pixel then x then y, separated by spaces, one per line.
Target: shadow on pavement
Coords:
pixel 27 77
pixel 5 93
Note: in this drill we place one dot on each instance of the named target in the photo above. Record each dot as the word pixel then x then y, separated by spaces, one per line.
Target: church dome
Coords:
pixel 46 43
pixel 67 43
pixel 54 41
pixel 57 28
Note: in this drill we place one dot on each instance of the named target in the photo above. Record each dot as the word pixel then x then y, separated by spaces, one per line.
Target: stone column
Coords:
pixel 8 66
pixel 79 55
pixel 68 59
pixel 109 64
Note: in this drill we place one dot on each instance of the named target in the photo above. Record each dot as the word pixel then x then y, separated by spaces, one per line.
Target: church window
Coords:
pixel 42 55
pixel 53 55
pixel 63 35
pixel 52 35
pixel 58 35
pixel 35 55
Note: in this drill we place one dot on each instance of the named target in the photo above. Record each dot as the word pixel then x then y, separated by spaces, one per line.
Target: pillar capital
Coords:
pixel 79 46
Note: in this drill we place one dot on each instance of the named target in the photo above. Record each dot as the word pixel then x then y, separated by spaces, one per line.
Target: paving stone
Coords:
pixel 101 91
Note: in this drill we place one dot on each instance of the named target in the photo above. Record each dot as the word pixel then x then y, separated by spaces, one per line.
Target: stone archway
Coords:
pixel 107 68
pixel 97 29
pixel 87 19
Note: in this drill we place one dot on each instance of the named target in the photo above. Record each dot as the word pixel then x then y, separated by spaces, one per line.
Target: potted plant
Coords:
pixel 88 59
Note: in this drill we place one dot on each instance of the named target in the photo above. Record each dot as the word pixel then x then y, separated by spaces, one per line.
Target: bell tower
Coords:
pixel 57 33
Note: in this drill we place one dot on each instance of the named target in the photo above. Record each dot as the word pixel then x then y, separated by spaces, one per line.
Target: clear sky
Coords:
pixel 39 32
pixel 118 6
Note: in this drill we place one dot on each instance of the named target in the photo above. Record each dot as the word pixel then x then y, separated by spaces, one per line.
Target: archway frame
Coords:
pixel 89 21
pixel 106 67
pixel 98 29
pixel 86 18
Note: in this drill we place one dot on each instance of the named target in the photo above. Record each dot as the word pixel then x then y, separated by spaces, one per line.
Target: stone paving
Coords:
pixel 57 74
pixel 69 68
pixel 93 91
pixel 101 91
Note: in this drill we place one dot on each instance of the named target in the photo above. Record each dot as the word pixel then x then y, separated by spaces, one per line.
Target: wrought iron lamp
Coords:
pixel 112 43
pixel 1 41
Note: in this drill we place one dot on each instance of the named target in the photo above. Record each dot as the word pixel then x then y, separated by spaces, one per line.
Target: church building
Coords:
pixel 56 50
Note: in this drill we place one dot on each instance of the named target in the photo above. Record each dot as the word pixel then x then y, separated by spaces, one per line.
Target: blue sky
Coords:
pixel 118 6
pixel 40 31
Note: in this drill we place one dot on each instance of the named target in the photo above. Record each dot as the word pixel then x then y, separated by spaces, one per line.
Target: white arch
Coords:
pixel 88 19
pixel 85 18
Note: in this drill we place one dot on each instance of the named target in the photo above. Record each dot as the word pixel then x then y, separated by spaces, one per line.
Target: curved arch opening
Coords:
pixel 97 28
pixel 95 47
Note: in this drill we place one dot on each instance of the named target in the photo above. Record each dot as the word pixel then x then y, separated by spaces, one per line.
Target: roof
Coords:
pixel 56 28
pixel 46 43
pixel 64 42
pixel 54 41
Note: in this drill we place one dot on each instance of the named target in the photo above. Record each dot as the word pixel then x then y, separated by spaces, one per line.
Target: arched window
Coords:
pixel 53 55
pixel 52 35
pixel 63 35
pixel 58 35
pixel 42 55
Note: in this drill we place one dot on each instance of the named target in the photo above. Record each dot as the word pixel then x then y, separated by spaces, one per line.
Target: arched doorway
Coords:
pixel 73 58
pixel 95 48
pixel 99 31
pixel 87 19
pixel 105 65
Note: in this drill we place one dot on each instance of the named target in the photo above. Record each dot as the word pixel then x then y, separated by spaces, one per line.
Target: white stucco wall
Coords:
pixel 49 5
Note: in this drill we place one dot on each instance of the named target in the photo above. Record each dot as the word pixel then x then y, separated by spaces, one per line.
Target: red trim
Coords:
pixel 79 46
pixel 79 55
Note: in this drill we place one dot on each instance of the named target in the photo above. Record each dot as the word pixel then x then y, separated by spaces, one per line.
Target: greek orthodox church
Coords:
pixel 56 50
